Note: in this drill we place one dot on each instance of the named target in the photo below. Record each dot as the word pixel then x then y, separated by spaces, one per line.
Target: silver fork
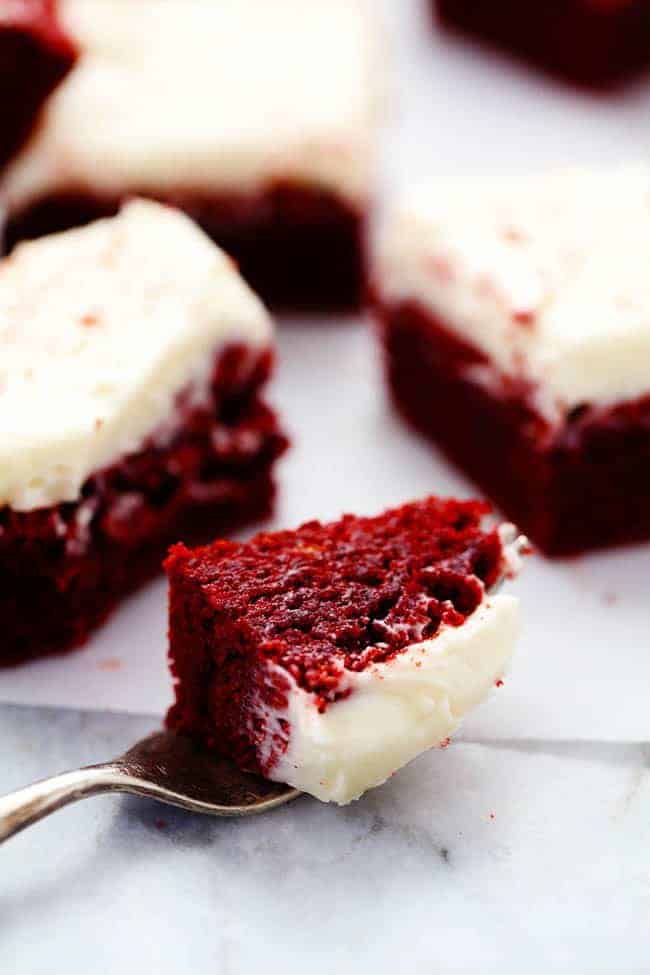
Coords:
pixel 164 766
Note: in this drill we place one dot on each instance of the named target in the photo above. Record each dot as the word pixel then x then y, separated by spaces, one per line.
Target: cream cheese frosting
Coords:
pixel 206 97
pixel 100 329
pixel 547 276
pixel 397 709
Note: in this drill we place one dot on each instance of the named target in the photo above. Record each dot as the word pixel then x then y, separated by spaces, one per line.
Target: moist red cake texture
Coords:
pixel 35 55
pixel 582 485
pixel 310 604
pixel 63 569
pixel 591 42
pixel 298 247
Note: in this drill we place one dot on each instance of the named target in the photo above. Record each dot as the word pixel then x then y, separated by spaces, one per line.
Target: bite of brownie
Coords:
pixel 330 656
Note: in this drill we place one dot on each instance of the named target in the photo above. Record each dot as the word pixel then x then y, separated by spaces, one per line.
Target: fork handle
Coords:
pixel 26 806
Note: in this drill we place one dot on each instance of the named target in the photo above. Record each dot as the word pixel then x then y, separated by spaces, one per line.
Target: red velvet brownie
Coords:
pixel 516 326
pixel 330 656
pixel 35 54
pixel 592 42
pixel 133 356
pixel 262 132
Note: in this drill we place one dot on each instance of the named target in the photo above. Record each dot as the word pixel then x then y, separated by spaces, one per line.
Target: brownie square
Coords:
pixel 131 416
pixel 35 55
pixel 595 43
pixel 516 329
pixel 254 134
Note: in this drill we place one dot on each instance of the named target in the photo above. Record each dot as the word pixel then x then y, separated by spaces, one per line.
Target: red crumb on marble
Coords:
pixel 90 319
pixel 110 663
pixel 524 316
pixel 445 743
pixel 498 683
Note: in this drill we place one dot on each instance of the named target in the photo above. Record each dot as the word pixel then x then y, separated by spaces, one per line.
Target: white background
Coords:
pixel 583 667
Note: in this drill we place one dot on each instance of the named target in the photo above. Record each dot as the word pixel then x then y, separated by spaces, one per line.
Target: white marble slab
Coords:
pixel 482 858
pixel 583 668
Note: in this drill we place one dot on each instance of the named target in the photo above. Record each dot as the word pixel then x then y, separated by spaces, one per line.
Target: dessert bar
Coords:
pixel 516 324
pixel 256 118
pixel 132 361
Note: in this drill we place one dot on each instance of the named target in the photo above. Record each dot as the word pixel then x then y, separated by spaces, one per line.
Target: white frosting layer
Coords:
pixel 207 96
pixel 398 709
pixel 100 329
pixel 548 277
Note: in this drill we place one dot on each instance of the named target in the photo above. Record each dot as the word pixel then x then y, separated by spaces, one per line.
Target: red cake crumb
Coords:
pixel 595 43
pixel 63 569
pixel 311 605
pixel 575 487
pixel 110 665
pixel 298 247
pixel 35 55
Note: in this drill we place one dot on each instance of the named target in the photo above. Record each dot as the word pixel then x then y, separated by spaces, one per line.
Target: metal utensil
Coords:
pixel 164 766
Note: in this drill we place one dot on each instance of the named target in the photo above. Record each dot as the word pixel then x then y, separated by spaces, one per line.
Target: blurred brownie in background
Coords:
pixel 591 42
pixel 516 325
pixel 256 118
pixel 35 54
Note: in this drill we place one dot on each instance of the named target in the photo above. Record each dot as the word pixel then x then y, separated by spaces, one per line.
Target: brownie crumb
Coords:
pixel 110 664
pixel 90 319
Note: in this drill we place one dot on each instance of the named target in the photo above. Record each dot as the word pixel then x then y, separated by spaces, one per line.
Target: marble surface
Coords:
pixel 509 856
